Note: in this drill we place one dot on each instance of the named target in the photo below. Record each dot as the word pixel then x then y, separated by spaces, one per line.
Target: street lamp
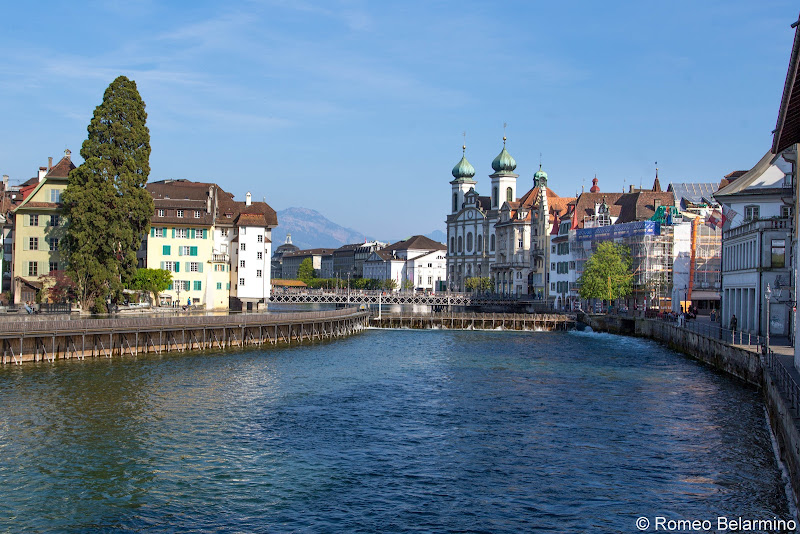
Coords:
pixel 685 298
pixel 768 296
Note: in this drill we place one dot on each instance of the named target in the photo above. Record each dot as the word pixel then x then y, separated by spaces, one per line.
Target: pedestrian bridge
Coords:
pixel 445 298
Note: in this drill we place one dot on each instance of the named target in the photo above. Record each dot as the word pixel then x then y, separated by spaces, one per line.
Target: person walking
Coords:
pixel 734 323
pixel 713 316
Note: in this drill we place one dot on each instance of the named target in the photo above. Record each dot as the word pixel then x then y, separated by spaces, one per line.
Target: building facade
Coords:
pixel 38 230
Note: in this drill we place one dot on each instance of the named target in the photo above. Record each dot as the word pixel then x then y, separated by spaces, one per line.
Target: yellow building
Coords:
pixel 198 233
pixel 38 229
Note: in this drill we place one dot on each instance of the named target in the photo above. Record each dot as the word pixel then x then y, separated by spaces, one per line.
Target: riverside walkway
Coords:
pixel 42 338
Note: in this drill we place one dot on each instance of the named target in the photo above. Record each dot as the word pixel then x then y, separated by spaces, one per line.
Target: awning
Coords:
pixel 33 284
pixel 705 295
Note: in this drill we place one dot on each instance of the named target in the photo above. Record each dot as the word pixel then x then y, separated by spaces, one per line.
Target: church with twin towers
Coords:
pixel 501 236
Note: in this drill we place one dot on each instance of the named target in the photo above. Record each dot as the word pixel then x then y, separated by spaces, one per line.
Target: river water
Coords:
pixel 386 431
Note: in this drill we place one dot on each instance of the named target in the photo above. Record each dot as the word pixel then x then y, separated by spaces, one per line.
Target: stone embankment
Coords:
pixel 764 371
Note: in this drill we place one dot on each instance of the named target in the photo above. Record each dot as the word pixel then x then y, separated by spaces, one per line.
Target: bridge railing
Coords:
pixel 37 325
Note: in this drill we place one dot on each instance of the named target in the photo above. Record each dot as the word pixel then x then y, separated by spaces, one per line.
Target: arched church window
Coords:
pixel 460 244
pixel 452 245
pixel 455 202
pixel 469 241
pixel 494 197
pixel 491 243
pixel 479 240
pixel 509 194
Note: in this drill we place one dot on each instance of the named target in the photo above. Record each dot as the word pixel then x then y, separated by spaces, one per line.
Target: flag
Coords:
pixel 715 220
pixel 728 215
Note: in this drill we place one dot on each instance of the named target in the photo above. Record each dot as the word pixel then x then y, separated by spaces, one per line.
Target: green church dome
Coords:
pixel 504 162
pixel 463 169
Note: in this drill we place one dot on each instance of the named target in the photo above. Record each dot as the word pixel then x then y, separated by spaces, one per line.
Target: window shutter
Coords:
pixel 188 267
pixel 193 251
pixel 205 233
pixel 26 220
pixel 180 251
pixel 177 266
pixel 25 243
pixel 191 233
pixel 152 231
pixel 162 264
pixel 200 267
pixel 173 233
pixel 163 232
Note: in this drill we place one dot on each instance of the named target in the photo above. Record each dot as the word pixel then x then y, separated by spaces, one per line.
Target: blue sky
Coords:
pixel 356 109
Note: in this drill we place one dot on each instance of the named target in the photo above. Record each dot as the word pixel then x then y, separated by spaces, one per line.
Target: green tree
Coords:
pixel 107 208
pixel 408 284
pixel 153 281
pixel 607 274
pixel 389 284
pixel 306 271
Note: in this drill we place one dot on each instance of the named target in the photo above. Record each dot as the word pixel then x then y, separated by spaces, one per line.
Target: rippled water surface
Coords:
pixel 387 431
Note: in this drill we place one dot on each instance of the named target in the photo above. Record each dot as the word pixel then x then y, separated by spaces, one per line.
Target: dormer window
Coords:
pixel 179 213
pixel 656 203
pixel 160 213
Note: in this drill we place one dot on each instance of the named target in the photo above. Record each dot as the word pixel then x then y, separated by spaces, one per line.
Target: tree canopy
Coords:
pixel 152 280
pixel 306 270
pixel 607 274
pixel 107 208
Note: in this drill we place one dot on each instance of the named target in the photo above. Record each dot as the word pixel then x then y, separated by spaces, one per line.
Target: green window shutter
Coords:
pixel 180 251
pixel 198 285
pixel 200 267
pixel 193 251
pixel 162 264
pixel 228 285
pixel 163 232
pixel 188 267
pixel 205 233
pixel 152 232
pixel 173 233
pixel 170 287
pixel 177 266
pixel 191 233
pixel 165 250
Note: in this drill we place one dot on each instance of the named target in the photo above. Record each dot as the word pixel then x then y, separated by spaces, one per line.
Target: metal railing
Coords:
pixel 784 380
pixel 30 325
pixel 716 331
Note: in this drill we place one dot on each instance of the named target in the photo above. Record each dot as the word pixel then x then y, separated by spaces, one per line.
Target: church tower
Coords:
pixel 504 181
pixel 463 181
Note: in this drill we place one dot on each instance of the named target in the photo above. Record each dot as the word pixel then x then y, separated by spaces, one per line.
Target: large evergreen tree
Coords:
pixel 106 205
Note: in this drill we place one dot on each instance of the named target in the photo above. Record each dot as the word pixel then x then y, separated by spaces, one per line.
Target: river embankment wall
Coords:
pixel 746 365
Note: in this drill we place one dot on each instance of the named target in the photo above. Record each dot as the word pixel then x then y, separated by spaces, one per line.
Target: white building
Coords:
pixel 417 262
pixel 251 258
pixel 756 245
pixel 470 225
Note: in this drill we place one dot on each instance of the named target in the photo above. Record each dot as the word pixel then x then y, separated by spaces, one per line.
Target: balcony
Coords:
pixel 784 223
pixel 220 258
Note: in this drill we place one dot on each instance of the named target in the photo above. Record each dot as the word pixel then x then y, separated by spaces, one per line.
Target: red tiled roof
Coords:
pixel 61 169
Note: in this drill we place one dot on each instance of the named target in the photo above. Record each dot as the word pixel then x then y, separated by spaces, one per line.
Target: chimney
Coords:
pixel 42 172
pixel 5 182
pixel 248 199
pixel 210 196
pixel 49 163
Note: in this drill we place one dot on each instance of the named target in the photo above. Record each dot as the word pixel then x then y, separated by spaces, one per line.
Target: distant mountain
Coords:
pixel 311 229
pixel 437 235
